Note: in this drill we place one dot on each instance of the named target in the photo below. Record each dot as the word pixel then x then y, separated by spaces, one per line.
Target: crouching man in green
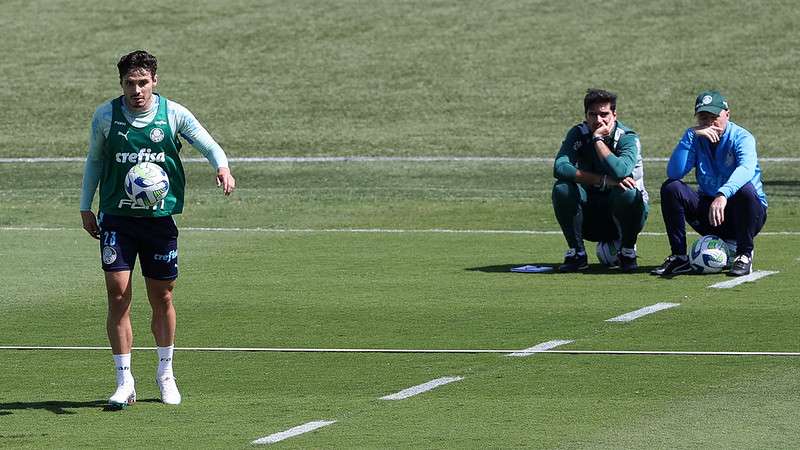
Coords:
pixel 599 193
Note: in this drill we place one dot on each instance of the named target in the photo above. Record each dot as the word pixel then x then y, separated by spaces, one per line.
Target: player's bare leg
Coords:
pixel 120 335
pixel 159 292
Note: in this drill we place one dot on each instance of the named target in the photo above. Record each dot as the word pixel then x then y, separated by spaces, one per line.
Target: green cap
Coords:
pixel 710 101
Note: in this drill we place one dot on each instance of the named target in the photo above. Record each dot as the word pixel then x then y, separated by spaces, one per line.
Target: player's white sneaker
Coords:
pixel 125 395
pixel 169 390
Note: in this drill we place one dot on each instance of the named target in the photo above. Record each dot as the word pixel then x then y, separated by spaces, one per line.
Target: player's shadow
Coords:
pixel 54 406
pixel 60 406
pixel 594 269
pixel 506 268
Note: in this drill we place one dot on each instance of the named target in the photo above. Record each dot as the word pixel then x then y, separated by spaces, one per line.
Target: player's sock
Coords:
pixel 122 363
pixel 165 361
pixel 573 251
pixel 628 252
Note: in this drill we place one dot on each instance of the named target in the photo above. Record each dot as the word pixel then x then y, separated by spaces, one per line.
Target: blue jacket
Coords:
pixel 723 170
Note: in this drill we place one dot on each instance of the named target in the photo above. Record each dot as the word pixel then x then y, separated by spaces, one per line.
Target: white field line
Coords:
pixel 745 279
pixel 633 315
pixel 366 230
pixel 291 432
pixel 420 388
pixel 361 159
pixel 405 350
pixel 538 348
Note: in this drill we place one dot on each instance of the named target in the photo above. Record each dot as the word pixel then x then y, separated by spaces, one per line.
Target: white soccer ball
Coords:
pixel 607 253
pixel 146 184
pixel 709 254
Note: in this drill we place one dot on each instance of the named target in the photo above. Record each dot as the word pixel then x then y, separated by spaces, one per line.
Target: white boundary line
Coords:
pixel 539 348
pixel 745 279
pixel 292 432
pixel 406 350
pixel 641 312
pixel 368 231
pixel 420 388
pixel 367 159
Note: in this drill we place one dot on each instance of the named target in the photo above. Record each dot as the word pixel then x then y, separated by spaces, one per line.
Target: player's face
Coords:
pixel 600 114
pixel 706 119
pixel 137 86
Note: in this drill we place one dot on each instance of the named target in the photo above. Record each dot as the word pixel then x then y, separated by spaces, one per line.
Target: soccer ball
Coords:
pixel 146 184
pixel 709 254
pixel 607 253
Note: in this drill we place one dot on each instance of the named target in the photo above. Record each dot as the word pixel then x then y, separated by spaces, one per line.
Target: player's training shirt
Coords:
pixel 121 139
pixel 127 145
pixel 578 152
pixel 723 168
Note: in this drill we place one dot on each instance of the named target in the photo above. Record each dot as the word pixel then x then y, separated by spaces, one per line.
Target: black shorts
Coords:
pixel 154 239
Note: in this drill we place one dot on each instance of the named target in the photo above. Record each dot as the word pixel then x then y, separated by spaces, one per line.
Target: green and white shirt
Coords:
pixel 121 139
pixel 578 152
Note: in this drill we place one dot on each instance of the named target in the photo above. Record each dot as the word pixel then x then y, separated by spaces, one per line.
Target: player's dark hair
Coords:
pixel 595 96
pixel 139 59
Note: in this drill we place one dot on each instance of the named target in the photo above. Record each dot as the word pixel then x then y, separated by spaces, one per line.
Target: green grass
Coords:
pixel 269 287
pixel 453 195
pixel 395 78
pixel 545 401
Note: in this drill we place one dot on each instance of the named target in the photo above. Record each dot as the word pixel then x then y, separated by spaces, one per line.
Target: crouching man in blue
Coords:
pixel 730 203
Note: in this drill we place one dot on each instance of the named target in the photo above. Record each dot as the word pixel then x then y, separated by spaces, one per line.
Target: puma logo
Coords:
pixel 125 134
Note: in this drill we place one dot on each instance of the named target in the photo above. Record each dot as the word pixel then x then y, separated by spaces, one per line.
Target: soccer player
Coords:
pixel 599 192
pixel 139 126
pixel 730 201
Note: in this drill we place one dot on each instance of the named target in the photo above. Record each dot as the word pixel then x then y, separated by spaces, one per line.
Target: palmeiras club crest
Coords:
pixel 109 255
pixel 156 135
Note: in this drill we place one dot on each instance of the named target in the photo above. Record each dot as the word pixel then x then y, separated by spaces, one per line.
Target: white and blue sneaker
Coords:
pixel 124 396
pixel 169 390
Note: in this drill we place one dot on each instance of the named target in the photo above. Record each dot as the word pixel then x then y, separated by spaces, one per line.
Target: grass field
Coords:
pixel 410 77
pixel 269 286
pixel 396 254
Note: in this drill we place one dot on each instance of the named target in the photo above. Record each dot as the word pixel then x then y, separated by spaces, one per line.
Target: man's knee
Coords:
pixel 625 199
pixel 671 188
pixel 747 193
pixel 118 299
pixel 119 304
pixel 159 292
pixel 565 193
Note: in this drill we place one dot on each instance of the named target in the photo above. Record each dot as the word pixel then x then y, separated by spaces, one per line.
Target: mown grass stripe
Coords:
pixel 368 230
pixel 409 350
pixel 339 159
pixel 633 315
pixel 420 388
pixel 291 432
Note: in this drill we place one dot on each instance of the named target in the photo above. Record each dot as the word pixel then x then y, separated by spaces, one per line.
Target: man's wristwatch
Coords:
pixel 596 139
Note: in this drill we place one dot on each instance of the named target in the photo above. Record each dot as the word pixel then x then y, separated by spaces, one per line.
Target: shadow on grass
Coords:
pixel 594 269
pixel 61 406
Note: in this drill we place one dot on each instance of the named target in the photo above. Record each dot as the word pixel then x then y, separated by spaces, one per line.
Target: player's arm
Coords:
pixel 682 159
pixel 92 170
pixel 621 164
pixel 745 152
pixel 187 125
pixel 565 166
